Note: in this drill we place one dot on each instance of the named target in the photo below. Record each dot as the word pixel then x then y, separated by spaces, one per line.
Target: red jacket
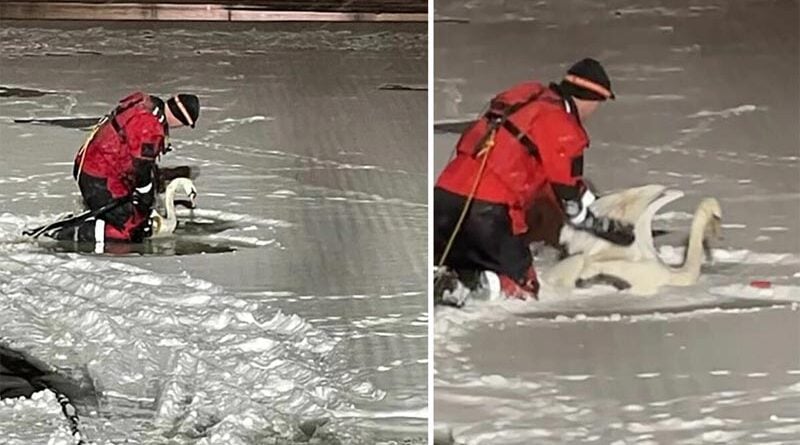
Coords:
pixel 541 144
pixel 126 144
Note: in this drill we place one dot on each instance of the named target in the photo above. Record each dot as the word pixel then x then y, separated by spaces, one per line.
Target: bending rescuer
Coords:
pixel 116 167
pixel 529 144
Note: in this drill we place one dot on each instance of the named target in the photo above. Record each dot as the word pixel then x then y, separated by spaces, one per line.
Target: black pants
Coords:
pixel 126 222
pixel 485 240
pixel 96 194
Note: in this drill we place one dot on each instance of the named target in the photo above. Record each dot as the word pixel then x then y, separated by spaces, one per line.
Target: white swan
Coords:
pixel 179 189
pixel 637 265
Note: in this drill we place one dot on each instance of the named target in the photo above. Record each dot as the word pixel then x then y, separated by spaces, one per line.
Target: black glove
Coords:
pixel 145 230
pixel 611 230
pixel 143 201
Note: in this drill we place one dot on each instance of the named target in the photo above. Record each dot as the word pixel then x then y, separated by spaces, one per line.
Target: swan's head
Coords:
pixel 183 192
pixel 711 210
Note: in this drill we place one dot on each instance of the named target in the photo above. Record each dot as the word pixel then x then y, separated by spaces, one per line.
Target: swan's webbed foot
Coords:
pixel 602 278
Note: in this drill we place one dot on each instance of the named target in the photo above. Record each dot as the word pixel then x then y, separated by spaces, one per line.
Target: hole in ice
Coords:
pixel 82 123
pixel 21 92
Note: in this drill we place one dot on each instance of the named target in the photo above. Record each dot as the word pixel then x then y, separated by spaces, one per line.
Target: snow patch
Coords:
pixel 728 112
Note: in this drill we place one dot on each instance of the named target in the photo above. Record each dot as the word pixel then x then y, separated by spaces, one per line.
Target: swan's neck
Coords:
pixel 169 204
pixel 170 221
pixel 689 272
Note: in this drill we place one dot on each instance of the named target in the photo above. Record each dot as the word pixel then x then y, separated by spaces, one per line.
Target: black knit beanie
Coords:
pixel 190 103
pixel 587 80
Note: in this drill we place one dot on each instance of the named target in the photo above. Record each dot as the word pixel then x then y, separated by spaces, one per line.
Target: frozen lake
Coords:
pixel 707 104
pixel 308 168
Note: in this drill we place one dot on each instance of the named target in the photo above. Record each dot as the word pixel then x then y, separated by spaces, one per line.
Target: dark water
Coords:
pixel 81 123
pixel 21 92
pixel 22 375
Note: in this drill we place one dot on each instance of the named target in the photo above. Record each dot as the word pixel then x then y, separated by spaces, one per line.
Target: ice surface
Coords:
pixel 698 110
pixel 313 172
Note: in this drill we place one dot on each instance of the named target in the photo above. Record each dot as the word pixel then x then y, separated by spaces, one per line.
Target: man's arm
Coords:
pixel 562 149
pixel 577 200
pixel 145 144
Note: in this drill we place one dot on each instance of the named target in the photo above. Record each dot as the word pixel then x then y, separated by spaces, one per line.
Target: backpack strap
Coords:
pixel 499 114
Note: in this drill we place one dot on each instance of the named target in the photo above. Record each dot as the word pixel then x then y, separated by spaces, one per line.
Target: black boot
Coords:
pixel 84 232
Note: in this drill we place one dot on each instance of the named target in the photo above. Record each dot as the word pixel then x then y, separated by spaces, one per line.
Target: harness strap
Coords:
pixel 121 108
pixel 499 114
pixel 518 134
pixel 117 127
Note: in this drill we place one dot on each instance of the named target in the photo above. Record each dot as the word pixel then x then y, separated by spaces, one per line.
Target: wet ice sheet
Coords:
pixel 712 363
pixel 597 366
pixel 701 377
pixel 319 171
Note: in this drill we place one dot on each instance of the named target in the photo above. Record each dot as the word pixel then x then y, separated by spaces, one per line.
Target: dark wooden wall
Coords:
pixel 217 10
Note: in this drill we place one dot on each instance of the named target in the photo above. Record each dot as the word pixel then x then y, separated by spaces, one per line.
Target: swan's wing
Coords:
pixel 565 272
pixel 643 229
pixel 627 205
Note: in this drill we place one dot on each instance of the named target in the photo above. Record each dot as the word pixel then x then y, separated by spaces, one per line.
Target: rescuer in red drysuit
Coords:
pixel 534 141
pixel 116 167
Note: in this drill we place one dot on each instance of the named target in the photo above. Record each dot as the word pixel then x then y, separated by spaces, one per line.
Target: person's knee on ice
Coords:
pixel 125 222
pixel 524 288
pixel 134 229
pixel 87 231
